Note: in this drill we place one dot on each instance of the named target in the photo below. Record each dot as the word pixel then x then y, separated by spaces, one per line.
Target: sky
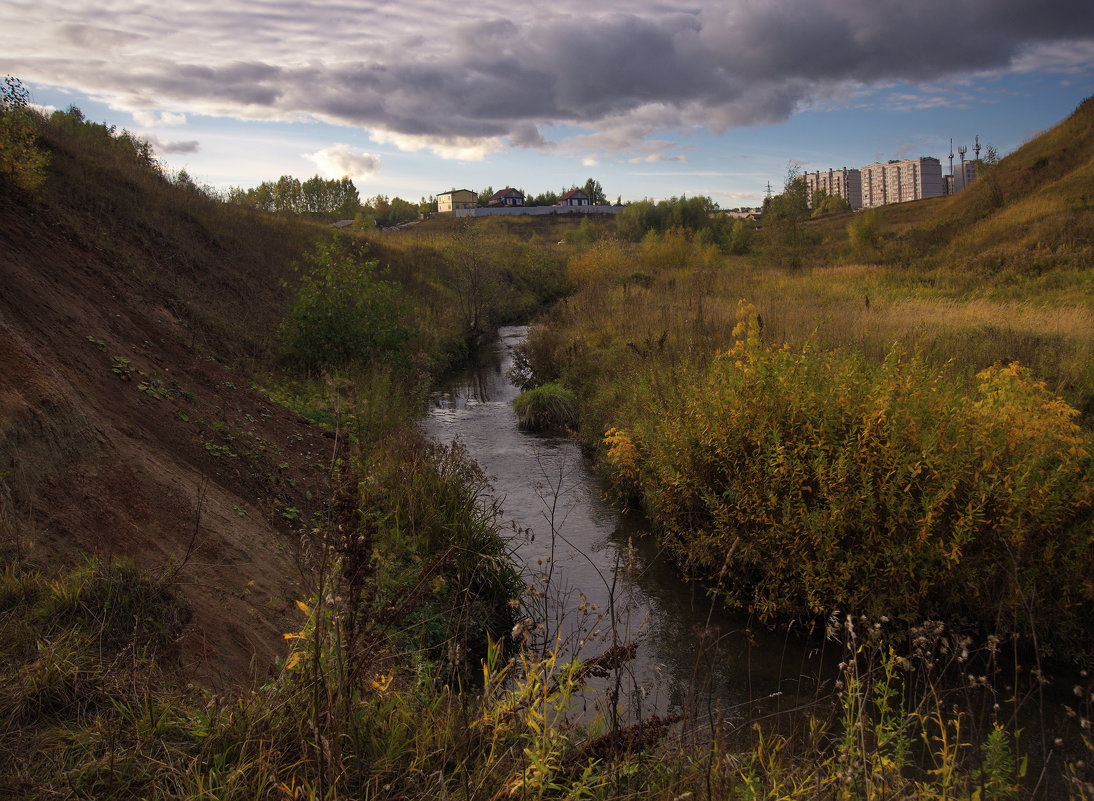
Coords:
pixel 652 98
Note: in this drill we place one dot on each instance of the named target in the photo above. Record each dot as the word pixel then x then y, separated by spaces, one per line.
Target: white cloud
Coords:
pixel 163 119
pixel 339 160
pixel 462 148
pixel 1066 58
pixel 165 146
pixel 655 158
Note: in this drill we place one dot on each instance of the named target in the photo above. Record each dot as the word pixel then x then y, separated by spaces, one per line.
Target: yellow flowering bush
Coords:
pixel 809 480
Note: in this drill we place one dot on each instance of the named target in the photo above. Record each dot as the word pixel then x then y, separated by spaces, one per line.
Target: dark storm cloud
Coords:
pixel 425 69
pixel 741 64
pixel 247 83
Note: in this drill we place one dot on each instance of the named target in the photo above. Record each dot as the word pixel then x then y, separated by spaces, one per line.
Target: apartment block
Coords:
pixel 899 181
pixel 963 175
pixel 844 182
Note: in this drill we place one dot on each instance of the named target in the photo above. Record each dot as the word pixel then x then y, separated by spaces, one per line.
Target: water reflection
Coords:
pixel 601 579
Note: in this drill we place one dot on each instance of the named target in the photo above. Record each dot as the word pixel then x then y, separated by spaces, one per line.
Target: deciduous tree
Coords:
pixel 344 313
pixel 783 217
pixel 472 278
pixel 595 192
pixel 22 163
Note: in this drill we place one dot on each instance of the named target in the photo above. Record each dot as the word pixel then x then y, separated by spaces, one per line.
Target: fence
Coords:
pixel 503 210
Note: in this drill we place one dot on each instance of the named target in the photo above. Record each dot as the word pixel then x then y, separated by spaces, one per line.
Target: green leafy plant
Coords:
pixel 122 368
pixel 344 314
pixel 218 451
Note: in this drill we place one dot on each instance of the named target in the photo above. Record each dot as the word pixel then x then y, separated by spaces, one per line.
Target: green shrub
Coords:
pixel 739 238
pixel 864 231
pixel 550 406
pixel 344 314
pixel 438 518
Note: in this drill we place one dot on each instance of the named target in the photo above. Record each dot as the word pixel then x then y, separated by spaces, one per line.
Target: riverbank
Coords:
pixel 801 476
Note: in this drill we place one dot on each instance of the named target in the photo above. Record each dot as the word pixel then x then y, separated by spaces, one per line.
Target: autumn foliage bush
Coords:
pixel 22 162
pixel 802 481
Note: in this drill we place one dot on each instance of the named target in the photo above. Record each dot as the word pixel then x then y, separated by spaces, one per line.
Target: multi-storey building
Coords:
pixel 845 183
pixel 963 175
pixel 900 181
pixel 456 199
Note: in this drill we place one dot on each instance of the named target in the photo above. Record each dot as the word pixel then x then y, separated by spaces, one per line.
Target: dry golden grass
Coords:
pixel 1046 323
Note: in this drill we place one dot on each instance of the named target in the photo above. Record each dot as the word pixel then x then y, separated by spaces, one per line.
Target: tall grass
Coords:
pixel 802 481
pixel 349 715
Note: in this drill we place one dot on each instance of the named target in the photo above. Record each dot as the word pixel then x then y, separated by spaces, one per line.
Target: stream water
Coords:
pixel 589 566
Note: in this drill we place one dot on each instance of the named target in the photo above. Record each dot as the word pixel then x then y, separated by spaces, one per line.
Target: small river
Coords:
pixel 585 562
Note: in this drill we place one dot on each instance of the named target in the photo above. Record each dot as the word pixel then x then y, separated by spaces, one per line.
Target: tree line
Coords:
pixel 328 200
pixel 591 187
pixel 331 200
pixel 699 216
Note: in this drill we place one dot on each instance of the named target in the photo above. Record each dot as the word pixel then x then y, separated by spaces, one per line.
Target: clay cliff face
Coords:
pixel 128 427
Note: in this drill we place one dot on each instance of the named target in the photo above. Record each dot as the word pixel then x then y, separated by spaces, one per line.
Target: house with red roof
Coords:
pixel 506 197
pixel 575 197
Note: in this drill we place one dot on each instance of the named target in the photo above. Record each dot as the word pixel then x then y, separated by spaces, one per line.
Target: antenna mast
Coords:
pixel 951 157
pixel 961 151
pixel 977 148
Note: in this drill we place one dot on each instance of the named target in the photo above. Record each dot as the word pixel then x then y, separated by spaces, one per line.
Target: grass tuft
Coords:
pixel 547 407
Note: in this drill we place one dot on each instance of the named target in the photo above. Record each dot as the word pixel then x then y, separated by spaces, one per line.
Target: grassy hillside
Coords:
pixel 218 270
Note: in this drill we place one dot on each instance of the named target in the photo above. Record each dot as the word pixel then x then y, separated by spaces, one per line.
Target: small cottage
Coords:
pixel 507 197
pixel 575 197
